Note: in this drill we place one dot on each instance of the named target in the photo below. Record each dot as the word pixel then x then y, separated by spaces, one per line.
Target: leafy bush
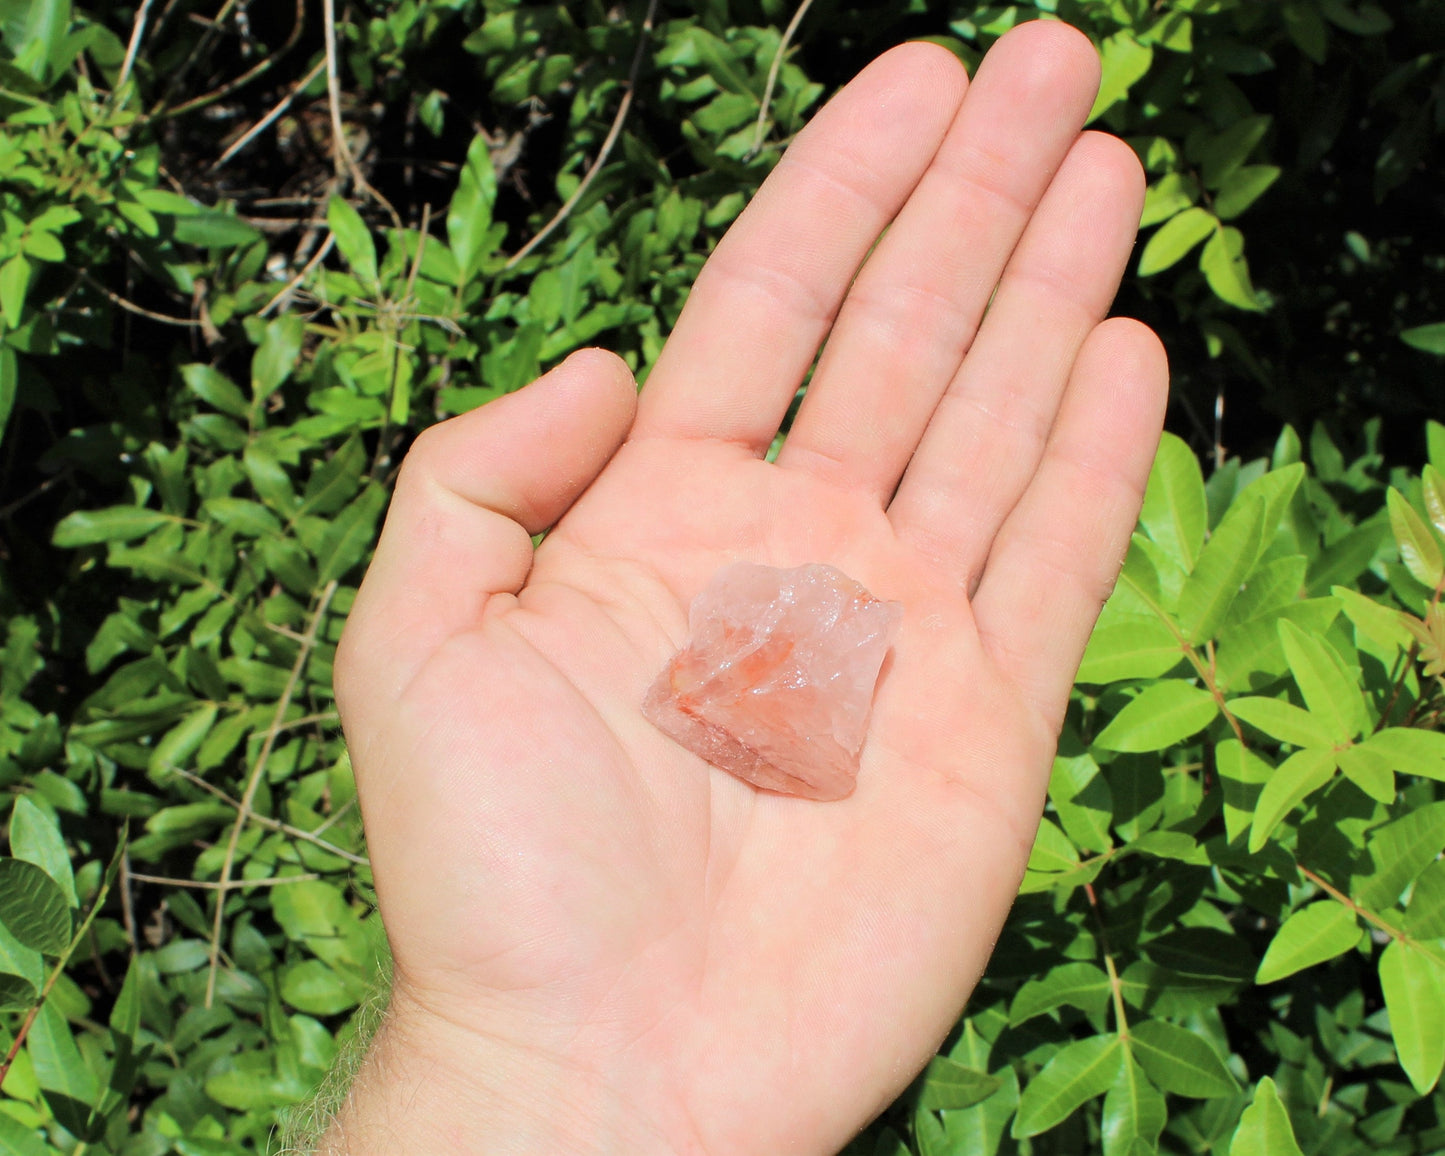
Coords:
pixel 205 390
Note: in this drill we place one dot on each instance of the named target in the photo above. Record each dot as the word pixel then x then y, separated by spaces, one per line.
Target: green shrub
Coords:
pixel 203 411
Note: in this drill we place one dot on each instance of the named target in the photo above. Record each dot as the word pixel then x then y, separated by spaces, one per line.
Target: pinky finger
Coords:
pixel 1055 559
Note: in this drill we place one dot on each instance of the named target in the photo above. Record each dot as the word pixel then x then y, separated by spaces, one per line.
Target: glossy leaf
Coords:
pixel 1414 987
pixel 1425 918
pixel 1309 936
pixel 947 1085
pixel 1080 985
pixel 1134 1113
pixel 1419 549
pixel 1284 721
pixel 1172 241
pixel 1293 781
pixel 1179 1061
pixel 36 838
pixel 1265 1128
pixel 1138 648
pixel 1078 1072
pixel 1398 851
pixel 1224 267
pixel 353 238
pixel 1220 572
pixel 34 907
pixel 1330 691
pixel 1160 716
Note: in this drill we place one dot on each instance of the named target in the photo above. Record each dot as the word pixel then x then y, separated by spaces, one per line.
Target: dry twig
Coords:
pixel 345 162
pixel 248 797
pixel 131 306
pixel 788 33
pixel 270 118
pixel 212 885
pixel 603 153
pixel 137 31
pixel 274 824
pixel 266 63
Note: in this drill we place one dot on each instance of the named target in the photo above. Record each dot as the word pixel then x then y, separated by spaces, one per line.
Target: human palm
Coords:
pixel 734 971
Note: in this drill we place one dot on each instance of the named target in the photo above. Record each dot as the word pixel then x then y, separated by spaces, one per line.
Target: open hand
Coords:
pixel 602 943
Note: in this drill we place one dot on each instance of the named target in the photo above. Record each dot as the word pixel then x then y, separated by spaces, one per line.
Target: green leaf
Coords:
pixel 1083 802
pixel 174 750
pixel 35 838
pixel 1299 776
pixel 351 534
pixel 1377 624
pixel 1123 63
pixel 1080 985
pixel 1428 338
pixel 16 994
pixel 1414 989
pixel 1138 648
pixel 1242 774
pixel 1425 918
pixel 14 284
pixel 313 987
pixel 1180 1061
pixel 1078 1072
pixel 1175 512
pixel 276 356
pixel 1330 692
pixel 1222 155
pixel 33 907
pixel 1284 721
pixel 1242 188
pixel 947 1085
pixel 1134 1111
pixel 1409 750
pixel 1418 548
pixel 215 388
pixel 354 240
pixel 1161 715
pixel 59 1069
pixel 1052 851
pixel 9 385
pixel 1170 194
pixel 1369 771
pixel 1225 269
pixel 1398 851
pixel 1311 935
pixel 116 524
pixel 469 216
pixel 1264 1129
pixel 1218 576
pixel 214 229
pixel 1172 241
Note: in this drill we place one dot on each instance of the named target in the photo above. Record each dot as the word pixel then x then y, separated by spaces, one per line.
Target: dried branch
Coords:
pixel 137 31
pixel 603 153
pixel 266 63
pixel 269 119
pixel 131 307
pixel 274 824
pixel 798 14
pixel 212 885
pixel 248 797
pixel 345 162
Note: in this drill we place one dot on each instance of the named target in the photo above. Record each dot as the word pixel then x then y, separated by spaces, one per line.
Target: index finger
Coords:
pixel 766 298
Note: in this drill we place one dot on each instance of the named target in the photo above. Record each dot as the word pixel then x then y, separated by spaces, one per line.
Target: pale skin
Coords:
pixel 602 944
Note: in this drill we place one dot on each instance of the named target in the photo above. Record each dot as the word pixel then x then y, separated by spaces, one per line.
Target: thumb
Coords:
pixel 471 493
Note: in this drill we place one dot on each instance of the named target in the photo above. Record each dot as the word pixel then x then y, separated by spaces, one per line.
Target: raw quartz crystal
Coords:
pixel 776 681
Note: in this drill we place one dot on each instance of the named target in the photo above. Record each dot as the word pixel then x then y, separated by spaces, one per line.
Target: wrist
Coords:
pixel 430 1085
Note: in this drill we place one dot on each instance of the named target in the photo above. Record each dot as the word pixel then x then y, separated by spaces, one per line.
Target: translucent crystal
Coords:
pixel 776 682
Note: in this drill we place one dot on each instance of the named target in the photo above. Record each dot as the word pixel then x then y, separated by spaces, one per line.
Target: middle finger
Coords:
pixel 916 304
